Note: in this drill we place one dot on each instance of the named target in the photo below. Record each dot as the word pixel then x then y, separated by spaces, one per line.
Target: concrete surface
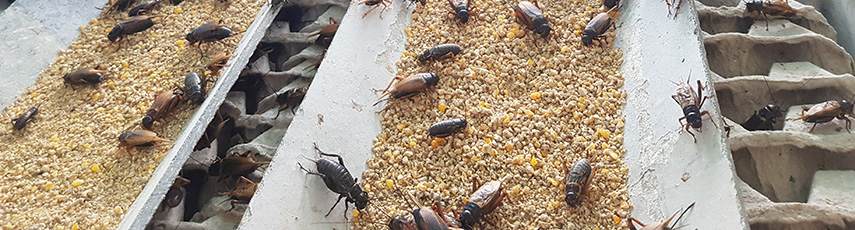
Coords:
pixel 337 114
pixel 32 32
pixel 658 155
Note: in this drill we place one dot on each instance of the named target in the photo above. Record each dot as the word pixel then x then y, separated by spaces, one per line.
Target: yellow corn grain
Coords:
pixel 488 140
pixel 75 227
pixel 506 120
pixel 177 11
pixel 616 219
pixel 77 182
pixel 605 133
pixel 534 162
pixel 401 127
pixel 355 213
pixel 582 139
pixel 528 112
pixel 389 183
pixel 49 185
pixel 509 147
pixel 95 168
pixel 535 96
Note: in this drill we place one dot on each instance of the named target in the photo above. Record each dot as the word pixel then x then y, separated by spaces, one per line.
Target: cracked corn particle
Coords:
pixel 502 17
pixel 582 139
pixel 355 213
pixel 111 83
pixel 95 168
pixel 177 11
pixel 101 110
pixel 592 146
pixel 616 219
pixel 54 138
pixel 389 183
pixel 75 227
pixel 554 182
pixel 96 96
pixel 605 145
pixel 612 154
pixel 442 107
pixel 401 127
pixel 509 147
pixel 49 185
pixel 77 182
pixel 124 64
pixel 435 143
pixel 534 162
pixel 528 112
pixel 535 96
pixel 506 120
pixel 605 133
pixel 124 75
pixel 488 140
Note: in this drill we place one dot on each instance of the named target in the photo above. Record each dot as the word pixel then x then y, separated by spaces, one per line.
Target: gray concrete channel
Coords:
pixel 667 171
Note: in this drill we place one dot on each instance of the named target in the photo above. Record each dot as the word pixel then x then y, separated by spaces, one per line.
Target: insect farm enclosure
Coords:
pixel 533 105
pixel 338 116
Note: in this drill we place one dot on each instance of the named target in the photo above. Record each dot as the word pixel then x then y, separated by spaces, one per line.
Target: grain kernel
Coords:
pixel 77 182
pixel 535 96
pixel 605 133
pixel 49 185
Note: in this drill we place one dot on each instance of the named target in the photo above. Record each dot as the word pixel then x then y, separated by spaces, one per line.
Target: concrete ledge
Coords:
pixel 32 32
pixel 667 171
pixel 337 114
